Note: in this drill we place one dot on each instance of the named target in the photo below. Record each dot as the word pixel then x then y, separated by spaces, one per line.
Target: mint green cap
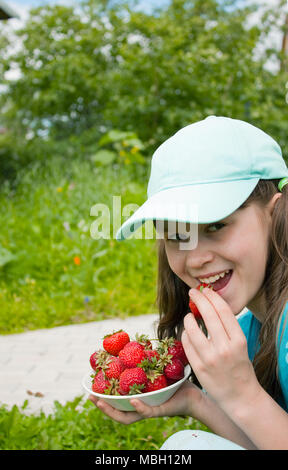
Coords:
pixel 214 165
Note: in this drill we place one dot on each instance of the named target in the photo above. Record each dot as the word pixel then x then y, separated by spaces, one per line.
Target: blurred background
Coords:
pixel 88 90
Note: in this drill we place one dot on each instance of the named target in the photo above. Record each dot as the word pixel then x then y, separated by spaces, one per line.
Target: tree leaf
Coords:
pixel 103 157
pixel 5 256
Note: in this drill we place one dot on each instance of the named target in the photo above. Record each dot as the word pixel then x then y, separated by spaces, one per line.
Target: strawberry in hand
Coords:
pixel 193 307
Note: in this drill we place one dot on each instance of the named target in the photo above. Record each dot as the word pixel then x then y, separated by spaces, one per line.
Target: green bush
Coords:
pixel 51 270
pixel 108 65
pixel 69 428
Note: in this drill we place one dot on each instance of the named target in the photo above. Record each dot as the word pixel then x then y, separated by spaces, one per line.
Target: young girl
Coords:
pixel 234 178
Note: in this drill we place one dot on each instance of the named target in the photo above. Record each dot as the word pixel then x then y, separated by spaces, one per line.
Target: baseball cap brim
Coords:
pixel 194 204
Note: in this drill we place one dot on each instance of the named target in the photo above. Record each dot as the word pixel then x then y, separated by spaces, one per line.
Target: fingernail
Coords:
pixel 135 404
pixel 207 289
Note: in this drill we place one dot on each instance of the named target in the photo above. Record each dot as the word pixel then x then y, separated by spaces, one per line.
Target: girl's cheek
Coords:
pixel 175 260
pixel 174 266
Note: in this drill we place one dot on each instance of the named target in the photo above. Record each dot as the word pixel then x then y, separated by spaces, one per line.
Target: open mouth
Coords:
pixel 222 281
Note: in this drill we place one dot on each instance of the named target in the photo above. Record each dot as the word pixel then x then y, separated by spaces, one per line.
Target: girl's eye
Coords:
pixel 178 237
pixel 215 227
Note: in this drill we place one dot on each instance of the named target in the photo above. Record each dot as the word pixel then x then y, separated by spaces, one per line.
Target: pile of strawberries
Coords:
pixel 128 367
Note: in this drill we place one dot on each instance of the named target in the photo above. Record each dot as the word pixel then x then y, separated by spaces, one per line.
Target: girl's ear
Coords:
pixel 272 203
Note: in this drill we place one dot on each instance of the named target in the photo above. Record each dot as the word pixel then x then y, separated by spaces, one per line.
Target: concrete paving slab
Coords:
pixel 50 363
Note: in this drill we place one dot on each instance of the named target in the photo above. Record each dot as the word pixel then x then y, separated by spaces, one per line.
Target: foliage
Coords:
pixel 109 83
pixel 121 147
pixel 52 272
pixel 106 66
pixel 71 428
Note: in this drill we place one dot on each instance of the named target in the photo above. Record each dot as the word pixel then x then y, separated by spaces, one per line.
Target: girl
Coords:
pixel 228 179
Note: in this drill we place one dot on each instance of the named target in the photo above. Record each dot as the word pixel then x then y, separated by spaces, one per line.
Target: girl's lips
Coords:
pixel 222 282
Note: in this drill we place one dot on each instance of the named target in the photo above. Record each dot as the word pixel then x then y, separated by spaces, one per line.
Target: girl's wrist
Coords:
pixel 197 402
pixel 243 404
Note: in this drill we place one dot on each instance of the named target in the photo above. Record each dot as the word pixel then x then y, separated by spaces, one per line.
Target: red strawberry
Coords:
pixel 173 348
pixel 177 350
pixel 132 381
pixel 114 342
pixel 174 370
pixel 132 354
pixel 149 353
pixel 135 344
pixel 193 307
pixel 156 384
pixel 98 358
pixel 144 341
pixel 100 383
pixel 113 368
pixel 171 382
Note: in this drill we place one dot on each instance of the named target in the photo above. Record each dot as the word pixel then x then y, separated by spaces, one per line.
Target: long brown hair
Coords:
pixel 172 293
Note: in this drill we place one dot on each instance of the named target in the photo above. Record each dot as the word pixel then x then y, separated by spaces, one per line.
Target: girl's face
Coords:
pixel 238 244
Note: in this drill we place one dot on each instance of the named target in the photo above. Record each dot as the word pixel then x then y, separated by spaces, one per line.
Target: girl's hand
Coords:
pixel 186 401
pixel 220 362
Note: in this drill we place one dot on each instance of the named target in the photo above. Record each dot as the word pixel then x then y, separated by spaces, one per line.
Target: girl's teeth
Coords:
pixel 210 280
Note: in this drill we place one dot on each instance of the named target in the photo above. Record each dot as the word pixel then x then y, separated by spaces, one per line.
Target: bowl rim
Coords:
pixel 187 371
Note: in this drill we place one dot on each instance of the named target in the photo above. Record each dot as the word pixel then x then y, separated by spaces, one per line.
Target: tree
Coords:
pixel 104 66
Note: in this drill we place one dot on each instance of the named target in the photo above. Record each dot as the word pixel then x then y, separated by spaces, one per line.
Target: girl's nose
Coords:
pixel 200 256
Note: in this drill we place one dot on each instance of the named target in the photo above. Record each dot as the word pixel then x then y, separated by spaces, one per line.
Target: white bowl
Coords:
pixel 122 402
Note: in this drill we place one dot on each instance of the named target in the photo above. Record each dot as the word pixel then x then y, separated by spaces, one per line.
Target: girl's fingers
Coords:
pixel 197 339
pixel 194 353
pixel 210 315
pixel 223 310
pixel 144 410
pixel 93 399
pixel 124 417
pixel 194 341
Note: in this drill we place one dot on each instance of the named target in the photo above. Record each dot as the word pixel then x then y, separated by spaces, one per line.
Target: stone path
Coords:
pixel 47 365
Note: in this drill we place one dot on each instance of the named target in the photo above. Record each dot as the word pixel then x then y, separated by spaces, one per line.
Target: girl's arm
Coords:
pixel 194 402
pixel 236 407
pixel 220 423
pixel 262 419
pixel 222 366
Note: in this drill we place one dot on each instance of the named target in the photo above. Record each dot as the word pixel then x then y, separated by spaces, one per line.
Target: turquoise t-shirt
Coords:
pixel 251 329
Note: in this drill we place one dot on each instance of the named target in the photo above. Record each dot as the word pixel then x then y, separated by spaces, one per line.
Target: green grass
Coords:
pixel 45 225
pixel 69 428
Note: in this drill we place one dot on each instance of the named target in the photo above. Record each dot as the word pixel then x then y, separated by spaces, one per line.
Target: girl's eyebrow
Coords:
pixel 175 228
pixel 222 221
